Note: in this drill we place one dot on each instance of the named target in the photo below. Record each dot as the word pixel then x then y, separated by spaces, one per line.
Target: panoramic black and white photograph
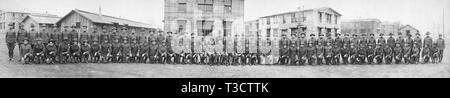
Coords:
pixel 224 38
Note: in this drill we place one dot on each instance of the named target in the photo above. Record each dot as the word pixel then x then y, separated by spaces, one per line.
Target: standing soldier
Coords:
pixel 322 40
pixel 11 38
pixel 407 52
pixel 95 35
pixel 338 41
pixel 302 40
pixel 284 50
pixel 400 40
pixel 371 49
pixel 54 35
pixel 21 36
pixel 345 50
pixel 293 50
pixel 320 49
pixel 427 44
pixel 441 47
pixel 328 53
pixel 311 53
pixel 33 35
pixel 418 41
pixel 104 35
pixel 44 34
pixel 381 40
pixel 409 40
pixel 73 34
pixel 391 41
pixel 65 34
pixel 84 36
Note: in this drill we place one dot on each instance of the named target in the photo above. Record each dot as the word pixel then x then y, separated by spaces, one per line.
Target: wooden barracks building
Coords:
pixel 79 18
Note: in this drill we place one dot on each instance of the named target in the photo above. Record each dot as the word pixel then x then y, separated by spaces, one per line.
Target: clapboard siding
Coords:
pixel 73 18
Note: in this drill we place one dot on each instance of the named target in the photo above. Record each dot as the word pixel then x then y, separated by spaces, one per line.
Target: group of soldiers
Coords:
pixel 359 50
pixel 116 45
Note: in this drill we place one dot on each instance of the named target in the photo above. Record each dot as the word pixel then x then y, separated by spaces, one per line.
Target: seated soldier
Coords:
pixel 126 51
pixel 378 54
pixel 27 52
pixel 144 49
pixel 388 54
pixel 116 52
pixel 85 50
pixel 134 52
pixel 106 52
pixel 39 51
pixel 75 55
pixel 328 54
pixel 398 56
pixel 51 52
pixel 435 53
pixel 415 54
pixel 311 54
pixel 96 52
pixel 353 51
pixel 370 53
pixel 406 53
pixel 64 52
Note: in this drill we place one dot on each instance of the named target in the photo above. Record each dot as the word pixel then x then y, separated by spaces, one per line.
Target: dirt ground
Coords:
pixel 17 70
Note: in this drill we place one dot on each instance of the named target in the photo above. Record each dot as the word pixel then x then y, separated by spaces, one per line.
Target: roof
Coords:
pixel 307 10
pixel 408 26
pixel 105 19
pixel 45 19
pixel 360 20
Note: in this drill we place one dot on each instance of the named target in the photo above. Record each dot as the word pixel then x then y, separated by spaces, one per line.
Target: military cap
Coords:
pixel 354 35
pixel 371 34
pixel 428 33
pixel 390 34
pixel 338 34
pixel 381 34
pixel 346 35
pixel 312 35
pixel 400 33
pixel 321 34
pixel 302 34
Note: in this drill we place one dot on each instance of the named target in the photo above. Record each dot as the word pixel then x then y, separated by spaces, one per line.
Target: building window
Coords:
pixel 228 6
pixel 206 5
pixel 275 20
pixel 227 28
pixel 268 33
pixel 181 26
pixel 268 21
pixel 320 17
pixel 294 18
pixel 319 29
pixel 182 7
pixel 78 25
pixel 335 19
pixel 284 19
pixel 13 16
pixel 204 28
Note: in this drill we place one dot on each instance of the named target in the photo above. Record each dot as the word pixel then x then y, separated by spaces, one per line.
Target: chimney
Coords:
pixel 100 11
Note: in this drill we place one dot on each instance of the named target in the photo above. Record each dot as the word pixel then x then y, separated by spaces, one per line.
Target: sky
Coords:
pixel 425 15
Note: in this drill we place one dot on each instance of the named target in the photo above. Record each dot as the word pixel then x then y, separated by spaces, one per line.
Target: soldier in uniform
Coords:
pixel 353 51
pixel 440 47
pixel 11 38
pixel 391 41
pixel 302 53
pixel 371 49
pixel 51 51
pixel 126 50
pixel 44 35
pixel 153 49
pixel 293 50
pixel 26 50
pixel 320 50
pixel 400 40
pixel 381 40
pixel 38 51
pixel 311 53
pixel 134 51
pixel 54 35
pixel 284 50
pixel 345 50
pixel 398 56
pixel 33 35
pixel 144 50
pixel 329 53
pixel 64 50
pixel 85 36
pixel 362 49
pixel 106 51
pixel 388 54
pixel 85 51
pixel 21 36
pixel 427 45
pixel 96 52
pixel 104 35
pixel 409 40
pixel 73 35
pixel 336 49
pixel 407 53
pixel 65 34
pixel 435 53
pixel 378 54
pixel 116 51
pixel 415 54
pixel 338 41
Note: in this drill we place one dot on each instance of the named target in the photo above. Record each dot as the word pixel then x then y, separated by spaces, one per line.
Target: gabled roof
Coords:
pixel 105 19
pixel 307 10
pixel 408 26
pixel 43 18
